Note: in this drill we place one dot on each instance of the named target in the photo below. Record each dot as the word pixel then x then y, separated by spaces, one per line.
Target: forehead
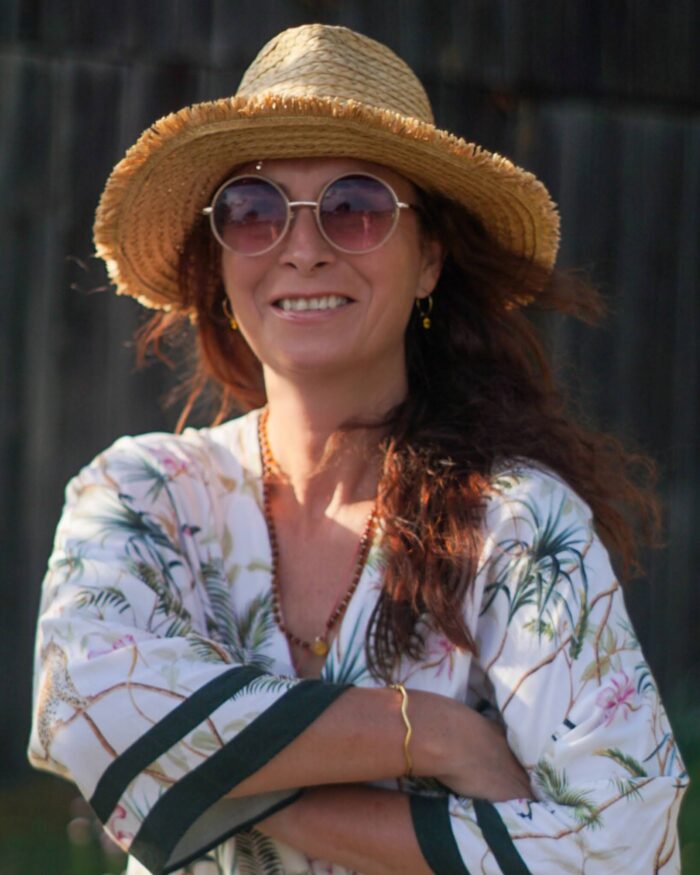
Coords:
pixel 291 173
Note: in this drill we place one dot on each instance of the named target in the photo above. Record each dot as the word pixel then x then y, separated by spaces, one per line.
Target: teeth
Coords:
pixel 327 302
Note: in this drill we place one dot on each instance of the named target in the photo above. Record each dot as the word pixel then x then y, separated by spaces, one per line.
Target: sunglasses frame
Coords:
pixel 316 205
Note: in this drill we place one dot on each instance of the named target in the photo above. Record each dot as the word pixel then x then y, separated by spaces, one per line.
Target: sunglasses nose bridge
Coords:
pixel 294 206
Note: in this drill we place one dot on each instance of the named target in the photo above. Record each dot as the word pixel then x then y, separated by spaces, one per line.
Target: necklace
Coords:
pixel 319 646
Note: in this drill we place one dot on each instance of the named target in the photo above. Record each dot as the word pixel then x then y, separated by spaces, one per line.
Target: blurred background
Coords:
pixel 600 99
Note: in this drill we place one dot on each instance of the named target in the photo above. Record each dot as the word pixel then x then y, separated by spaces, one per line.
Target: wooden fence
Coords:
pixel 600 99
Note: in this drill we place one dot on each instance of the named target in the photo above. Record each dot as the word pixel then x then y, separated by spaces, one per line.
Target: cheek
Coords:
pixel 239 277
pixel 394 299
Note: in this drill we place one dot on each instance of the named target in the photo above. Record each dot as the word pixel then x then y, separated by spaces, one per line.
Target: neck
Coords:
pixel 304 415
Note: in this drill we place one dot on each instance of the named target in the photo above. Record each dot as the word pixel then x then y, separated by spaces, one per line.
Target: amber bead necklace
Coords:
pixel 320 645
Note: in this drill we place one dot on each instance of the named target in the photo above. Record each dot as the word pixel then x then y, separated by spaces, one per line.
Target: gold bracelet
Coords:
pixel 409 729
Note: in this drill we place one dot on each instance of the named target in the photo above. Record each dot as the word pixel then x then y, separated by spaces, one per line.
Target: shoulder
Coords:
pixel 156 459
pixel 524 496
pixel 543 569
pixel 535 520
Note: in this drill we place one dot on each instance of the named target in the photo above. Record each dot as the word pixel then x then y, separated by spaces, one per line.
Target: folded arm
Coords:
pixel 147 701
pixel 560 661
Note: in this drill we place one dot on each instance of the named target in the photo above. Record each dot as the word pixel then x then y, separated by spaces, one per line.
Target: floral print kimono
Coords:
pixel 162 680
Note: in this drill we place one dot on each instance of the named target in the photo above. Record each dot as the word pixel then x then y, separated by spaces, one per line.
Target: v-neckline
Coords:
pixel 256 454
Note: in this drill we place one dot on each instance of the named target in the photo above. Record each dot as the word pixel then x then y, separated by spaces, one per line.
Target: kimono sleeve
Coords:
pixel 137 697
pixel 561 663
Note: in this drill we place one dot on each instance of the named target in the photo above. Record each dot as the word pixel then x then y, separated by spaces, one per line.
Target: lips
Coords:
pixel 322 302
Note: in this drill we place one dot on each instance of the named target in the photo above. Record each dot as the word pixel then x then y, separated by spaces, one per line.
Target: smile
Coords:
pixel 323 302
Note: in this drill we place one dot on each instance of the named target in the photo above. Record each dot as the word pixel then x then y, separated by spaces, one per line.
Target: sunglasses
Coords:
pixel 356 212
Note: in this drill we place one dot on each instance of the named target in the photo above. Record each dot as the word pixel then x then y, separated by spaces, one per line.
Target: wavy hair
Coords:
pixel 481 393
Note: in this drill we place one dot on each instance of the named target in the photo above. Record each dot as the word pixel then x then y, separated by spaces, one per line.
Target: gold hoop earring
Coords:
pixel 425 308
pixel 228 313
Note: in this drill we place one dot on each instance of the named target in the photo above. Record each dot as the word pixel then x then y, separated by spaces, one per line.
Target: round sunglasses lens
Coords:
pixel 357 213
pixel 249 215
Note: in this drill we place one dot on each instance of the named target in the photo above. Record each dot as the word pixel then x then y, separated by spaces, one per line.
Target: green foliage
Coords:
pixel 45 827
pixel 219 595
pixel 206 649
pixel 685 718
pixel 251 629
pixel 555 786
pixel 168 600
pixel 580 630
pixel 540 628
pixel 540 570
pixel 142 470
pixel 351 668
pixel 108 597
pixel 634 767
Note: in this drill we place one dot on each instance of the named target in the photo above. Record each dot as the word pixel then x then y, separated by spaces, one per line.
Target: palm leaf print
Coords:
pixel 626 788
pixel 529 572
pixel 506 481
pixel 266 684
pixel 208 650
pixel 152 557
pixel 581 629
pixel 142 470
pixel 72 563
pixel 109 596
pixel 135 525
pixel 251 630
pixel 645 679
pixel 168 599
pixel 555 786
pixel 216 587
pixel 633 766
pixel 351 668
pixel 257 854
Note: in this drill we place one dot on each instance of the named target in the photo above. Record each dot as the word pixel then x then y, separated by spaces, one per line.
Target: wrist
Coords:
pixel 408 758
pixel 438 725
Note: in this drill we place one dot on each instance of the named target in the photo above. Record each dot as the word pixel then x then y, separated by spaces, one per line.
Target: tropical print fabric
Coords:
pixel 162 680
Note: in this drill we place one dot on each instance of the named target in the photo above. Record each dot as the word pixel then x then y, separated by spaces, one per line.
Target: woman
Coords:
pixel 370 626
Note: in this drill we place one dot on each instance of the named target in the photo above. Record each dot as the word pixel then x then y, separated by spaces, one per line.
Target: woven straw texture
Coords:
pixel 315 91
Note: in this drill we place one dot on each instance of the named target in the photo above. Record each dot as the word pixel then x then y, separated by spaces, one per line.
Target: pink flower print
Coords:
pixel 620 694
pixel 172 466
pixel 124 641
pixel 441 654
pixel 119 835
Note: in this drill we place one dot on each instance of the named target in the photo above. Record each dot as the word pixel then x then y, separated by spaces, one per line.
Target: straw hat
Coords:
pixel 315 90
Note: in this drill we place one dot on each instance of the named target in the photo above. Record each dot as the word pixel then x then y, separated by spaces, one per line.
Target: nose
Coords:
pixel 304 247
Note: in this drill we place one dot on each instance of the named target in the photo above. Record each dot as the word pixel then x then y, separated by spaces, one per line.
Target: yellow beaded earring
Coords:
pixel 228 313
pixel 425 308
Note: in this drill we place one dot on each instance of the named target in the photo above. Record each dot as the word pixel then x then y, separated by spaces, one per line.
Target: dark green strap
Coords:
pixel 187 800
pixel 498 839
pixel 166 732
pixel 431 823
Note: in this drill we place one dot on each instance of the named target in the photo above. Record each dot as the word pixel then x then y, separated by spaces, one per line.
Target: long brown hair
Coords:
pixel 481 393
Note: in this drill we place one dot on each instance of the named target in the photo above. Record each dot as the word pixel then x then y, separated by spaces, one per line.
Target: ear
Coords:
pixel 433 258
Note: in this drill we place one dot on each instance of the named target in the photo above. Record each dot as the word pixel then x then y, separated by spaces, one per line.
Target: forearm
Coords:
pixel 359 738
pixel 364 829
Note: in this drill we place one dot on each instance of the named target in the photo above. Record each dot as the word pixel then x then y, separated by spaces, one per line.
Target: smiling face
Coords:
pixel 308 309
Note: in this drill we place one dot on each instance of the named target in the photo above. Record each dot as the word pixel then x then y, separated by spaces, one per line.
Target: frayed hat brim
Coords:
pixel 158 190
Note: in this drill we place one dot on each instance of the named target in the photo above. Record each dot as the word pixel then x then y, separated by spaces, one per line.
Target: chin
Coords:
pixel 314 366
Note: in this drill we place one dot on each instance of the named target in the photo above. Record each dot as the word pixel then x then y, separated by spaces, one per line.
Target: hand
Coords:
pixel 480 763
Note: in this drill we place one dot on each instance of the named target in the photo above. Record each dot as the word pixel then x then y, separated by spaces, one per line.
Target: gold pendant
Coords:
pixel 319 647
